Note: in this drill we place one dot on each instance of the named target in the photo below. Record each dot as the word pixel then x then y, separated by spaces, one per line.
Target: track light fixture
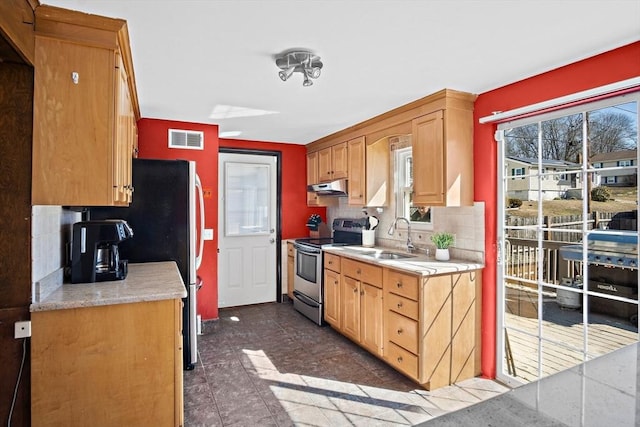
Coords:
pixel 300 61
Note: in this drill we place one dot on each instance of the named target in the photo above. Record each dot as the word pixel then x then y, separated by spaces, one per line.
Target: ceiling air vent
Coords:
pixel 190 139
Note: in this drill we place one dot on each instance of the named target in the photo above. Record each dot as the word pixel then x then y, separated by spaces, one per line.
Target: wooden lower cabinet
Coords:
pixel 361 308
pixel 432 326
pixel 427 327
pixel 290 268
pixel 108 365
pixel 332 290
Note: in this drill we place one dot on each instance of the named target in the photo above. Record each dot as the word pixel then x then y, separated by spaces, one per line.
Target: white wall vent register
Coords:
pixel 190 139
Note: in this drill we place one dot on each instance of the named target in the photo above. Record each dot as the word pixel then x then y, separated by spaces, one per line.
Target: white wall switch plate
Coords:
pixel 208 234
pixel 22 329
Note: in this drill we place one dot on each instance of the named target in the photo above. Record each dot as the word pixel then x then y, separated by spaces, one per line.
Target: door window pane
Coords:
pixel 246 199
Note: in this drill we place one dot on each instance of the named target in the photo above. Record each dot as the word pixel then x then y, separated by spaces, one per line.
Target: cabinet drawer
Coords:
pixel 290 249
pixel 403 284
pixel 404 306
pixel 332 262
pixel 402 360
pixel 366 273
pixel 402 331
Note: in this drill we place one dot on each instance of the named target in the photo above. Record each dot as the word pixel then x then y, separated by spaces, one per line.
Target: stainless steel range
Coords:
pixel 308 282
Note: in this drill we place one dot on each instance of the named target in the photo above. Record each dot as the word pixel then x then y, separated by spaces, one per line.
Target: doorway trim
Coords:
pixel 278 156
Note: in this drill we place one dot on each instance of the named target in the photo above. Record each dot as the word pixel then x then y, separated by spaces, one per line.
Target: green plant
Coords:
pixel 442 240
pixel 600 194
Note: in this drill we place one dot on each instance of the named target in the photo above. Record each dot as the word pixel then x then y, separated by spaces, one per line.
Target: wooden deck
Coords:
pixel 562 332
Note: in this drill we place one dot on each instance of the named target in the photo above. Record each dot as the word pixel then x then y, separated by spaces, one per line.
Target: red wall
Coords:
pixel 294 184
pixel 153 144
pixel 619 64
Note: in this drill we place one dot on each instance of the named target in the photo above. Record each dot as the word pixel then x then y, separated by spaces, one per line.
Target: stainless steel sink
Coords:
pixel 388 255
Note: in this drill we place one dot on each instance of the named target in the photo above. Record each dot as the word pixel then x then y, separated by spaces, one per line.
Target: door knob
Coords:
pixel 272 240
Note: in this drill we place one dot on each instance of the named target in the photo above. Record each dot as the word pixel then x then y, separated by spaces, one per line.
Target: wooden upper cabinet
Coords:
pixel 85 110
pixel 442 147
pixel 441 127
pixel 356 171
pixel 16 24
pixel 312 178
pixel 332 163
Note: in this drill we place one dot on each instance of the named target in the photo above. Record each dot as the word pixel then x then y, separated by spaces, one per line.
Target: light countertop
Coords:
pixel 416 263
pixel 151 281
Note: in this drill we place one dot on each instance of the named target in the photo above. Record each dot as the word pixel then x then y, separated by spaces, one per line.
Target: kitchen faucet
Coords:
pixel 410 246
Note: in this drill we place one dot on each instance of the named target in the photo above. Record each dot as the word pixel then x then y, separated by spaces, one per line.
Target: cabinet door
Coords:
pixel 465 341
pixel 339 160
pixel 73 124
pixel 436 316
pixel 428 147
pixel 356 171
pixel 312 178
pixel 290 269
pixel 325 166
pixel 351 307
pixel 124 145
pixel 371 318
pixel 92 362
pixel 332 298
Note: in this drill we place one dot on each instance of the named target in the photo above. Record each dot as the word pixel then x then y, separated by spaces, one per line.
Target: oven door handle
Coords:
pixel 307 251
pixel 305 299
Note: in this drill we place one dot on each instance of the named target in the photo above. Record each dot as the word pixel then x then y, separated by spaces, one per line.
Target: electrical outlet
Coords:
pixel 22 329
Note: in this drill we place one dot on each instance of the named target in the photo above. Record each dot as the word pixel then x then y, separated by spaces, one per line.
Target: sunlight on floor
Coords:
pixel 321 401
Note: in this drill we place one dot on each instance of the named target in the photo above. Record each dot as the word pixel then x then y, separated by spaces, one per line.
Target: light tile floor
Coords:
pixel 267 365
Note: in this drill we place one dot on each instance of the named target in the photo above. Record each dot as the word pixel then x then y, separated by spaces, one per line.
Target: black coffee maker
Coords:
pixel 94 253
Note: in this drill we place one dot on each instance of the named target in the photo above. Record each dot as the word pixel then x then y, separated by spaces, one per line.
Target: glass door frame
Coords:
pixel 501 327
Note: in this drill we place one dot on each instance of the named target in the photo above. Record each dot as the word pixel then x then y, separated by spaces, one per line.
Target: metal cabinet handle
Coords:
pixel 400 359
pixel 400 304
pixel 329 262
pixel 355 290
pixel 361 292
pixel 400 331
pixel 358 271
pixel 399 284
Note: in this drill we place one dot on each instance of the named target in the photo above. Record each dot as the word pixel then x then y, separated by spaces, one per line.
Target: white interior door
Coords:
pixel 247 223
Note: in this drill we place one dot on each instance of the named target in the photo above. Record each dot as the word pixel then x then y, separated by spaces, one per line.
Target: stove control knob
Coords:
pixel 620 261
pixel 632 263
pixel 608 260
pixel 596 258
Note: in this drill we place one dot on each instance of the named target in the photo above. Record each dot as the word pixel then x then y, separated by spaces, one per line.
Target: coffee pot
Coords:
pixel 94 253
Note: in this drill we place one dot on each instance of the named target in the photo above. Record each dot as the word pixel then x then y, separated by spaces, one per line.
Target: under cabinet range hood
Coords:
pixel 333 188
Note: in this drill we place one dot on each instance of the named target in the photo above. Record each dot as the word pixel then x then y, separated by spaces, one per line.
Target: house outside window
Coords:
pixel 597 165
pixel 418 215
pixel 625 163
pixel 610 179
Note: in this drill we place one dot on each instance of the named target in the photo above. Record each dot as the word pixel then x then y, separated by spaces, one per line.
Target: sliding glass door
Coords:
pixel 567 237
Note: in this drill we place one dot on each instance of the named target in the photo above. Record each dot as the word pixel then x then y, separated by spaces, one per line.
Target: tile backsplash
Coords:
pixel 466 223
pixel 51 228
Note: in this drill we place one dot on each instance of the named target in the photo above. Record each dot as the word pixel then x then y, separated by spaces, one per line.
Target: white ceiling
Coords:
pixel 192 55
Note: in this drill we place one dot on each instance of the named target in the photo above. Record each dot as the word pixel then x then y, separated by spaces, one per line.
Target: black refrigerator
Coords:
pixel 162 215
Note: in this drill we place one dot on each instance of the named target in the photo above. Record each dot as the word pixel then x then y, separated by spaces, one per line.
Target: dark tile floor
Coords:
pixel 267 365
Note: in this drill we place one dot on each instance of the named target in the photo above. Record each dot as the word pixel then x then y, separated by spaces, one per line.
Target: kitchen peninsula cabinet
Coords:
pixel 332 163
pixel 108 353
pixel 85 110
